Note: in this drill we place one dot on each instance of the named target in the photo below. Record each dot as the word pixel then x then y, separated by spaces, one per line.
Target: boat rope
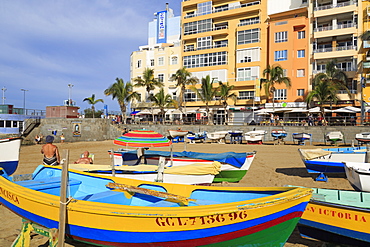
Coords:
pixel 69 199
pixel 168 196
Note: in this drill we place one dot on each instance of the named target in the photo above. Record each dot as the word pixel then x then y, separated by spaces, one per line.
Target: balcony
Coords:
pixel 222 9
pixel 332 6
pixel 340 26
pixel 338 48
pixel 188 49
pixel 223 29
pixel 331 9
pixel 366 65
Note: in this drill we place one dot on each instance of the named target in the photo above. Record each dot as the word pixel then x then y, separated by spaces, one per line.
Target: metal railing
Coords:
pixel 225 9
pixel 338 48
pixel 187 49
pixel 332 6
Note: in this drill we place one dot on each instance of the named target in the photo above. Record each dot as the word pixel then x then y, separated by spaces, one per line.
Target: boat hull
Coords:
pixel 335 222
pixel 229 172
pixel 358 175
pixel 176 133
pixel 266 219
pixel 9 154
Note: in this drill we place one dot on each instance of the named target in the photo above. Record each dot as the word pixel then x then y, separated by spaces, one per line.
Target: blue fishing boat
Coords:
pixel 330 160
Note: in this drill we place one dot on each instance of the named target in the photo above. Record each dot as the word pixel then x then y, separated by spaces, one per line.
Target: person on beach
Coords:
pixel 62 138
pixel 50 152
pixel 37 139
pixel 85 159
pixel 272 119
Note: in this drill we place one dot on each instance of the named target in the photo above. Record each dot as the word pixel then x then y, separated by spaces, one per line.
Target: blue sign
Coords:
pixel 162 27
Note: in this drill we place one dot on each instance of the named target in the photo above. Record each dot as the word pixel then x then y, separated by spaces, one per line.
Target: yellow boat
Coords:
pixel 110 211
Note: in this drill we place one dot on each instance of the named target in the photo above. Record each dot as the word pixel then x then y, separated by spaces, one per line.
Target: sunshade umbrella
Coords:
pixel 143 139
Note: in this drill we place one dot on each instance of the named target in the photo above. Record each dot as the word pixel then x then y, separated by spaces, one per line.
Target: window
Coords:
pixel 300 53
pixel 190 95
pixel 204 43
pixel 151 62
pixel 248 36
pixel 198 27
pixel 246 95
pixel 8 124
pixel 203 60
pixel 301 34
pixel 161 77
pixel 160 61
pixel 300 73
pixel 281 37
pixel 280 94
pixel 285 72
pixel 221 43
pixel 189 48
pixel 244 74
pixel 249 21
pixel 138 63
pixel 281 55
pixel 2 124
pixel 248 55
pixel 300 92
pixel 15 124
pixel 204 8
pixel 174 60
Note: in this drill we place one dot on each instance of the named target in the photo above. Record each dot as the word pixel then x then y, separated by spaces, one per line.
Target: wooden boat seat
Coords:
pixel 42 184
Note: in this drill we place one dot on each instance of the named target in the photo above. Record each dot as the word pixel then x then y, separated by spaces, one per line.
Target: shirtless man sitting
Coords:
pixel 50 152
pixel 85 159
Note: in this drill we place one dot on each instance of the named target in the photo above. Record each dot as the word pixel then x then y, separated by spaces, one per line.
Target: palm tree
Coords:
pixel 326 85
pixel 275 75
pixel 206 93
pixel 124 93
pixel 92 101
pixel 324 91
pixel 163 101
pixel 183 78
pixel 148 81
pixel 224 92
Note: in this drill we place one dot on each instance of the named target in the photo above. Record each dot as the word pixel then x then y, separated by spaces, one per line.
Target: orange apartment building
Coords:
pixel 288 46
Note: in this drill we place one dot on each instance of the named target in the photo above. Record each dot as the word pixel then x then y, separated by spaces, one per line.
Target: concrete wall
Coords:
pixel 102 129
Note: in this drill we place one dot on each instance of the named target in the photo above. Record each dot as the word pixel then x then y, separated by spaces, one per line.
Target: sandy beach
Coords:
pixel 274 165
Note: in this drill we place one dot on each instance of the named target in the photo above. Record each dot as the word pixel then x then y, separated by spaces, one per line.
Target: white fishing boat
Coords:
pixel 334 136
pixel 363 137
pixel 218 136
pixel 9 154
pixel 196 173
pixel 301 137
pixel 178 132
pixel 255 136
pixel 358 174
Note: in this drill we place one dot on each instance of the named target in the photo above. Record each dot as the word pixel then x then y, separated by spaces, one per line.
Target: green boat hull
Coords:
pixel 272 237
pixel 232 176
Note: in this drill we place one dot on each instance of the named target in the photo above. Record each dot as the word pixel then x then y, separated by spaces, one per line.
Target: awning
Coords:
pixel 134 112
pixel 317 110
pixel 348 109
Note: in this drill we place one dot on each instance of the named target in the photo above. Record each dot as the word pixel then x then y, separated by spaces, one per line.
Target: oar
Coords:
pixel 134 189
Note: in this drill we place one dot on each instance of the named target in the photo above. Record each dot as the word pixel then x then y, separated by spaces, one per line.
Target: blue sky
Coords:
pixel 48 44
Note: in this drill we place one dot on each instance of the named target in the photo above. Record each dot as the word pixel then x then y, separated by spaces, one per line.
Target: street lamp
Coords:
pixel 24 100
pixel 4 89
pixel 69 94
